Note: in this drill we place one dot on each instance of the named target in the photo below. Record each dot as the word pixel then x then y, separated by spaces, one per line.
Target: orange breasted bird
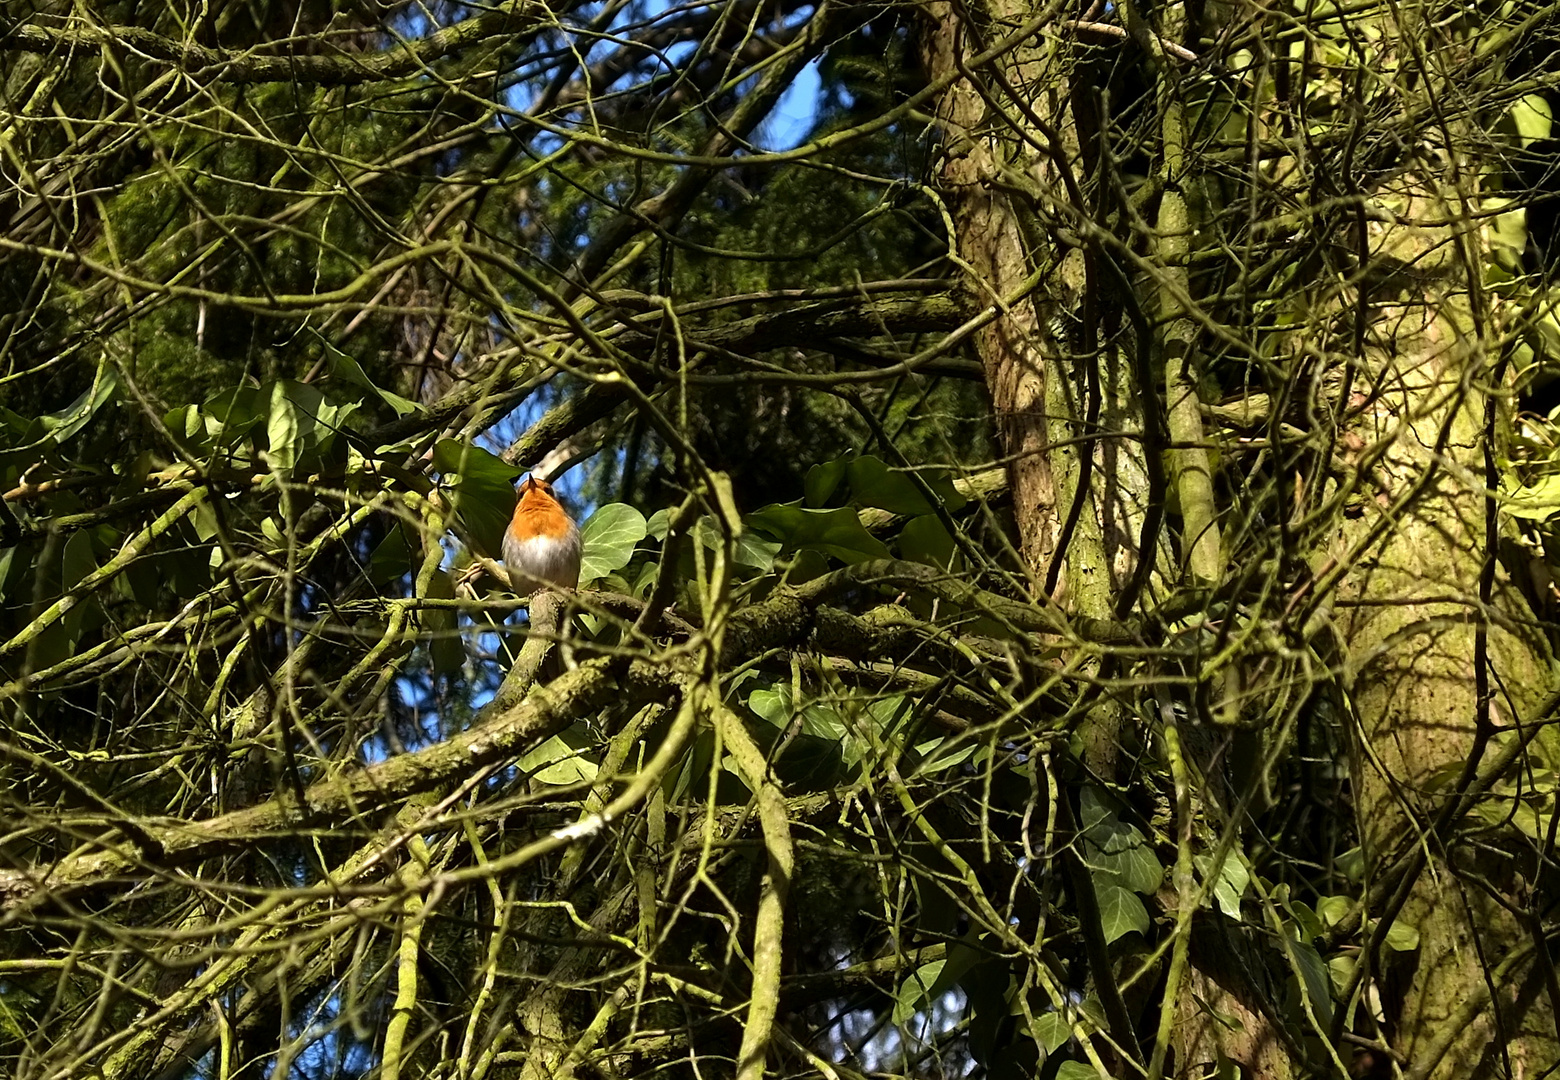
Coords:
pixel 542 543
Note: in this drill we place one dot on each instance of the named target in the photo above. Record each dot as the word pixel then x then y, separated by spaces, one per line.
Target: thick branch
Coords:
pixel 339 69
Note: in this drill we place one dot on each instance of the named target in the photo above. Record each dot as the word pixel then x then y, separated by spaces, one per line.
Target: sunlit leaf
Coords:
pixel 915 992
pixel 1051 1030
pixel 1401 937
pixel 872 483
pixel 1229 885
pixel 609 537
pixel 1121 912
pixel 483 487
pixel 559 761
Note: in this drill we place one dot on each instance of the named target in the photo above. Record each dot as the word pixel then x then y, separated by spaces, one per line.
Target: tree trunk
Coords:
pixel 1438 655
pixel 1442 658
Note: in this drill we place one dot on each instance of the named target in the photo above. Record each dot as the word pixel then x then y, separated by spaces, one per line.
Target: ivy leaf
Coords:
pixel 1076 1070
pixel 445 648
pixel 773 704
pixel 925 540
pixel 1533 118
pixel 755 552
pixel 1229 884
pixel 1507 233
pixel 61 425
pixel 1051 1030
pixel 916 990
pixel 609 537
pixel 822 481
pixel 300 424
pixel 872 483
pixel 750 550
pixel 484 492
pixel 658 524
pixel 282 433
pixel 1318 982
pixel 1401 937
pixel 1121 912
pixel 942 753
pixel 349 371
pixel 1538 501
pixel 836 532
pixel 1117 853
pixel 1333 909
pixel 560 761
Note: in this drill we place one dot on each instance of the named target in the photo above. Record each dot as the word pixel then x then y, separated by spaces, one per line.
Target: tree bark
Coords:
pixel 1443 661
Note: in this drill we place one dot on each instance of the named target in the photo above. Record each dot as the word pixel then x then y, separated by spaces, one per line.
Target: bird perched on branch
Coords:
pixel 542 543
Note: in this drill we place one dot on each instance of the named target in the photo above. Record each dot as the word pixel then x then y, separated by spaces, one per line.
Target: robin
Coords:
pixel 542 543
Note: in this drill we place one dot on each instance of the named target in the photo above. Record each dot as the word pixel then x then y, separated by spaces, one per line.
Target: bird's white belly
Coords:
pixel 549 560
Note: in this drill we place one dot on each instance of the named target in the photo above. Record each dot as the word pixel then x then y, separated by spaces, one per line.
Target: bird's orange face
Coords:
pixel 531 483
pixel 542 543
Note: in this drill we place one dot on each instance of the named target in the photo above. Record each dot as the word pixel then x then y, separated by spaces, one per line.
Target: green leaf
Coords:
pixel 1121 912
pixel 1538 501
pixel 484 492
pixel 1507 234
pixel 7 556
pixel 872 483
pixel 608 538
pixel 349 371
pixel 300 425
pixel 773 704
pixel 751 549
pixel 836 532
pixel 916 990
pixel 822 481
pixel 1076 1070
pixel 1051 1030
pixel 889 712
pixel 1116 852
pixel 282 433
pixel 1094 808
pixel 1533 118
pixel 1332 910
pixel 755 552
pixel 658 524
pixel 392 559
pixel 1341 969
pixel 61 425
pixel 925 540
pixel 1318 983
pixel 1306 922
pixel 942 753
pixel 560 761
pixel 1229 884
pixel 1401 937
pixel 446 649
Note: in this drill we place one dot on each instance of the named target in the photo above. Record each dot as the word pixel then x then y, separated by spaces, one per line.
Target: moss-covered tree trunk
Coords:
pixel 1385 567
pixel 1443 663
